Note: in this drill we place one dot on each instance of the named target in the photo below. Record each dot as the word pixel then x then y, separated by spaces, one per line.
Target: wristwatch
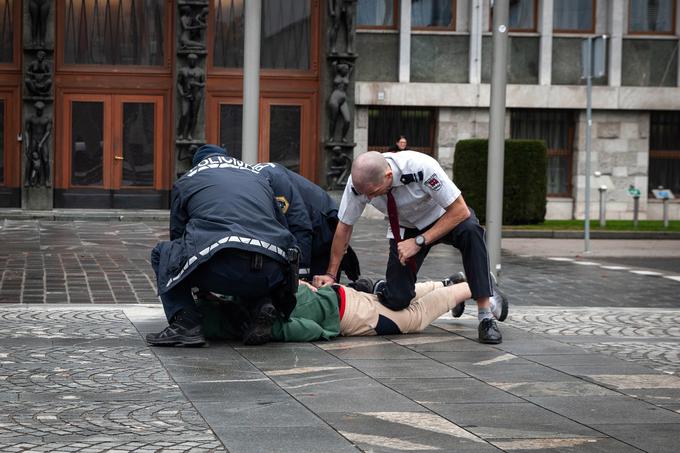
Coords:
pixel 420 240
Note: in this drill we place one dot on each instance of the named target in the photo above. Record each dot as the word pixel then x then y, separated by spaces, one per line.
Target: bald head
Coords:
pixel 369 170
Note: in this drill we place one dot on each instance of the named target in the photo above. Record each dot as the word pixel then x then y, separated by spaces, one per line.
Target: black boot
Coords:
pixel 184 330
pixel 259 331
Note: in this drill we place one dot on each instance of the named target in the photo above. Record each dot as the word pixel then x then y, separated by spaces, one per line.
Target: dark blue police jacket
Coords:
pixel 220 203
pixel 303 201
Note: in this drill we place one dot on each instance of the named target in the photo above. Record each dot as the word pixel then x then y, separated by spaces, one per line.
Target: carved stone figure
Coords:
pixel 191 36
pixel 190 83
pixel 337 102
pixel 39 76
pixel 342 13
pixel 39 10
pixel 38 128
pixel 339 169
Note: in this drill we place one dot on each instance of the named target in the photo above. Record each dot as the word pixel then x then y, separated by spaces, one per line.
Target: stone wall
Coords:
pixel 620 151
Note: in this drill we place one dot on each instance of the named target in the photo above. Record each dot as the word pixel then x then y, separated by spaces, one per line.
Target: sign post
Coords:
pixel 593 64
pixel 665 195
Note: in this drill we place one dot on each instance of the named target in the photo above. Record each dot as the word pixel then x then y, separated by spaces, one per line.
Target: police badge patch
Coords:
pixel 433 183
pixel 283 203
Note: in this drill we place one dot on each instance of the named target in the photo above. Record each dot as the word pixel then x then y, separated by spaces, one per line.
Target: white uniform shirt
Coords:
pixel 420 203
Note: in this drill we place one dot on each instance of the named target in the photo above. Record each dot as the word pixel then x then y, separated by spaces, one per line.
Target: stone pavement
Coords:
pixel 590 360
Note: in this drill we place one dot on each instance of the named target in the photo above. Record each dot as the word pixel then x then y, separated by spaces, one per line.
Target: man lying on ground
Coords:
pixel 334 310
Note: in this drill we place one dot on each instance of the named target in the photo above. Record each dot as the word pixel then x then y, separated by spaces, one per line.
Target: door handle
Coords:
pixel 119 157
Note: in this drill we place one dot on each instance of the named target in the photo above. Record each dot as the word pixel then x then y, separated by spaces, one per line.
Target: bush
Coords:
pixel 525 179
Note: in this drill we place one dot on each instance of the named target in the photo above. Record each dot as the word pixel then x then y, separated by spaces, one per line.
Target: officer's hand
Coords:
pixel 322 280
pixel 407 248
pixel 304 283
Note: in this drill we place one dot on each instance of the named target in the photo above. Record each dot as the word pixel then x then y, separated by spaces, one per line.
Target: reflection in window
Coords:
pixel 573 15
pixel 375 13
pixel 522 15
pixel 286 34
pixel 138 144
pixel 386 124
pixel 285 40
pixel 664 151
pixel 556 128
pixel 231 124
pixel 87 141
pixel 651 16
pixel 114 32
pixel 229 33
pixel 6 31
pixel 2 142
pixel 432 13
pixel 650 62
pixel 284 136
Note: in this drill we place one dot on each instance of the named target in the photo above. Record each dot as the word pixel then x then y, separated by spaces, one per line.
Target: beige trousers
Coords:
pixel 433 299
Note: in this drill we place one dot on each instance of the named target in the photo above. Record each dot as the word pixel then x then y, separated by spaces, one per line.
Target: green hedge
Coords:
pixel 525 179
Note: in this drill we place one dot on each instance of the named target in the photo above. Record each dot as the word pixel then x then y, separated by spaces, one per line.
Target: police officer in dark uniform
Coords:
pixel 227 235
pixel 301 200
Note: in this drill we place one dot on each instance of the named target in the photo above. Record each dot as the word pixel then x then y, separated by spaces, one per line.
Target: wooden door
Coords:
pixel 111 152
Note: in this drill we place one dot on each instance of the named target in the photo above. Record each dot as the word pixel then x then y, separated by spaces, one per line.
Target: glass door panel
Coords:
pixel 284 135
pixel 87 144
pixel 231 123
pixel 138 144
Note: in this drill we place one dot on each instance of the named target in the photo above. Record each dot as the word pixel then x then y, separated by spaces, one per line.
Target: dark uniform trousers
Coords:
pixel 468 237
pixel 231 271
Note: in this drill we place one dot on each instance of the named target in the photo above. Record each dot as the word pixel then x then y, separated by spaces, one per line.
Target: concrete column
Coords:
pixel 251 80
pixel 617 21
pixel 475 66
pixel 405 42
pixel 545 28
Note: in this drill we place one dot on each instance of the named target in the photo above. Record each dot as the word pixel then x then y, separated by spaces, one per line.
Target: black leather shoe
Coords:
pixel 178 333
pixel 259 331
pixel 454 279
pixel 363 284
pixel 488 332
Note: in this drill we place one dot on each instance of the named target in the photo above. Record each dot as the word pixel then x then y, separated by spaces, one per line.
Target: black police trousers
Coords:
pixel 231 272
pixel 467 237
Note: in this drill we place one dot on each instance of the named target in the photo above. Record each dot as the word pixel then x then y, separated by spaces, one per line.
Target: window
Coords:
pixel 574 15
pixel 664 151
pixel 556 128
pixel 110 32
pixel 6 31
pixel 433 14
pixel 376 13
pixel 386 124
pixel 522 15
pixel 285 40
pixel 651 16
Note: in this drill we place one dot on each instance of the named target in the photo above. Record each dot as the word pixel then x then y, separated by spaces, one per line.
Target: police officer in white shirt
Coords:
pixel 431 210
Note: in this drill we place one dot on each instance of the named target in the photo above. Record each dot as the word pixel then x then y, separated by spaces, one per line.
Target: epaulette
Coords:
pixel 411 177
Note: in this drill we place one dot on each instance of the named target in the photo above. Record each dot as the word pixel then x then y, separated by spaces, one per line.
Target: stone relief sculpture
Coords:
pixel 39 10
pixel 343 13
pixel 339 169
pixel 193 25
pixel 37 130
pixel 39 76
pixel 190 83
pixel 337 102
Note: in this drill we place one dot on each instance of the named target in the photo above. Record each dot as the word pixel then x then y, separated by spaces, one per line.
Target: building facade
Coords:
pixel 102 102
pixel 424 70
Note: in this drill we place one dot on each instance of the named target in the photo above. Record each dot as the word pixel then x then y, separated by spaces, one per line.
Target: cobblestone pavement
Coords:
pixel 589 362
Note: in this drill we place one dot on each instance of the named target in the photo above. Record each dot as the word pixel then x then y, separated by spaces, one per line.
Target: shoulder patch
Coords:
pixel 283 203
pixel 433 183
